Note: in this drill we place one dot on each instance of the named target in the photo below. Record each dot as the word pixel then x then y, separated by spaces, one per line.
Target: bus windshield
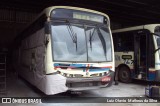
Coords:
pixel 80 42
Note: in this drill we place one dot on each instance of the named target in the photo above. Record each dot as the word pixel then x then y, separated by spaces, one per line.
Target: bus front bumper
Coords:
pixel 79 84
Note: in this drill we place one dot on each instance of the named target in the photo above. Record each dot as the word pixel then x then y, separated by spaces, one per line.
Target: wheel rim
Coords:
pixel 125 75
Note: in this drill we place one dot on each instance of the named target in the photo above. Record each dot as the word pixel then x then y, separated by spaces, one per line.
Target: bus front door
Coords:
pixel 140 54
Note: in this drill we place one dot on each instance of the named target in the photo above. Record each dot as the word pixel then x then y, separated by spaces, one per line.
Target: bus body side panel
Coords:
pixel 124 58
pixel 32 56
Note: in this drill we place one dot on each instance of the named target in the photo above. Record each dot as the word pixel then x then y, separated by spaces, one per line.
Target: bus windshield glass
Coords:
pixel 80 42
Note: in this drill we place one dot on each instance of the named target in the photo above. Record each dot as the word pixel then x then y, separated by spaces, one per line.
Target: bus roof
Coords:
pixel 150 27
pixel 47 11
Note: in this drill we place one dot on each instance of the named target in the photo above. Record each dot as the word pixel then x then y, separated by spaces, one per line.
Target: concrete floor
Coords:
pixel 16 87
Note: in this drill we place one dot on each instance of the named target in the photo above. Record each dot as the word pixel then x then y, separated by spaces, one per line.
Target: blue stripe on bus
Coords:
pixel 84 66
pixel 70 65
pixel 100 69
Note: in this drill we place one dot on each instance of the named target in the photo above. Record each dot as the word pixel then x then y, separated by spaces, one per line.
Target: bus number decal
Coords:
pixel 128 61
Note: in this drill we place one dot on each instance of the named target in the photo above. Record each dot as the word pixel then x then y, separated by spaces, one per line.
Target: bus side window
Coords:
pixel 128 41
pixel 117 43
pixel 123 41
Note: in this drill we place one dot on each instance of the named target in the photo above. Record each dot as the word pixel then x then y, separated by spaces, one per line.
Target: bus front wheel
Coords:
pixel 124 74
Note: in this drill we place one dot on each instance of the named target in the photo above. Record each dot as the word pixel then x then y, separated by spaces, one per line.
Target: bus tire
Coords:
pixel 124 74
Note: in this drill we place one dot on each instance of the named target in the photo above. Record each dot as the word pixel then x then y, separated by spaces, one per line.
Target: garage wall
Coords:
pixel 11 23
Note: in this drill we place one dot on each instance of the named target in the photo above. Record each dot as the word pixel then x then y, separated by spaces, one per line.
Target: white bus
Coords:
pixel 137 53
pixel 66 48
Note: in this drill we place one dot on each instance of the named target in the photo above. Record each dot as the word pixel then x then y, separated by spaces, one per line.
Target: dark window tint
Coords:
pixel 123 41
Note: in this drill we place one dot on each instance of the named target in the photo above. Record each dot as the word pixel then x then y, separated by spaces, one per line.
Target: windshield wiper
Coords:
pixel 155 34
pixel 72 33
pixel 102 41
pixel 91 38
